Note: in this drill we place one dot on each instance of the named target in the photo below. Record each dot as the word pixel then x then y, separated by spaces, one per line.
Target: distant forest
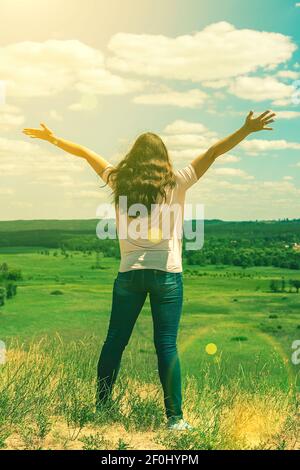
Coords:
pixel 246 244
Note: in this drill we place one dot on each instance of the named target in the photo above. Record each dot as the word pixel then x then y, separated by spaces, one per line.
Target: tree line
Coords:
pixel 244 244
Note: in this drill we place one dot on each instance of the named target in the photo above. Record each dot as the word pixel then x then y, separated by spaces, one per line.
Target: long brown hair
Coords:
pixel 144 174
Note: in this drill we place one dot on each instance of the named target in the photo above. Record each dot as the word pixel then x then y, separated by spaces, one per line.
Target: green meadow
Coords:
pixel 61 311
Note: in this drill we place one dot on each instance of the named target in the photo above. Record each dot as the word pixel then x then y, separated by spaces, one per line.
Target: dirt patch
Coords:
pixel 62 437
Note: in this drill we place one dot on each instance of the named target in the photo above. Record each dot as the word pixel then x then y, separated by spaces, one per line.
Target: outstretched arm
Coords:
pixel 97 163
pixel 202 163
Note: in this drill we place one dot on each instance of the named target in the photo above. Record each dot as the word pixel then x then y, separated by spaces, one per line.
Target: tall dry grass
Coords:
pixel 47 394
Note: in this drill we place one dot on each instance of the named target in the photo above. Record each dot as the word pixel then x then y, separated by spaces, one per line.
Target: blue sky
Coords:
pixel 101 73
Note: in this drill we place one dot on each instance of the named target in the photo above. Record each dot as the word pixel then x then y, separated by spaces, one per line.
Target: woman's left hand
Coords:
pixel 260 123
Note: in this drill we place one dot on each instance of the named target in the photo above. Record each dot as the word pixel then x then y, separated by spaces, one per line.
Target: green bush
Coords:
pixel 239 338
pixel 11 290
pixel 2 296
pixel 56 292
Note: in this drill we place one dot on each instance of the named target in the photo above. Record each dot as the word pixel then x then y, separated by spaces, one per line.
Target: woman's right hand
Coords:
pixel 45 133
pixel 98 163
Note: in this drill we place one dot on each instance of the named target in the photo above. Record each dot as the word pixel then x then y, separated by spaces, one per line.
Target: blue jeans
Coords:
pixel 129 294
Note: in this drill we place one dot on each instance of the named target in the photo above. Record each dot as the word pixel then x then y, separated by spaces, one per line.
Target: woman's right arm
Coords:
pixel 97 162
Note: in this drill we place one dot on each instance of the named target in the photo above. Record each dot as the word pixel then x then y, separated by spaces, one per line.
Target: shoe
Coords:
pixel 179 425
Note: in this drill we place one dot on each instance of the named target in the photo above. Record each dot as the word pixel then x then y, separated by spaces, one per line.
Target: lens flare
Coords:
pixel 154 235
pixel 211 349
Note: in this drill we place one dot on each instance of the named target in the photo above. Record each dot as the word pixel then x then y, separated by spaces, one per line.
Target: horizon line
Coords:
pixel 185 220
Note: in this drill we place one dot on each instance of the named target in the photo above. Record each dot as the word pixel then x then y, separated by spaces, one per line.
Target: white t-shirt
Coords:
pixel 160 248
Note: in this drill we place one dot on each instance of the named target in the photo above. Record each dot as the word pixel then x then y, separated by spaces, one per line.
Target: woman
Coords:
pixel 149 264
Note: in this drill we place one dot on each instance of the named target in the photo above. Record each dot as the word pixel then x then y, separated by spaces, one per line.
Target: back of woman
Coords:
pixel 149 199
pixel 149 196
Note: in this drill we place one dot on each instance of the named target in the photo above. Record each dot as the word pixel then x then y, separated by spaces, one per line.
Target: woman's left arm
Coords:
pixel 202 163
pixel 97 162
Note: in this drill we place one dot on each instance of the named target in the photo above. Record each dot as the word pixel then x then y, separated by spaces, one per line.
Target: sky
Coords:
pixel 100 73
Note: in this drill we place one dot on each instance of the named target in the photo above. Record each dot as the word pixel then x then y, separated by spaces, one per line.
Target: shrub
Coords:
pixel 274 286
pixel 2 296
pixel 95 442
pixel 14 275
pixel 295 284
pixel 56 292
pixel 11 290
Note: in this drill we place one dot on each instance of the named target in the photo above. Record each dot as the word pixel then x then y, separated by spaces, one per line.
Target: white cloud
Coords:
pixel 285 187
pixel 103 82
pixel 261 89
pixel 288 74
pixel 86 194
pixel 18 148
pixel 235 172
pixel 33 69
pixel 216 84
pixel 184 99
pixel 228 159
pixel 246 200
pixel 87 102
pixel 57 179
pixel 6 191
pixel 19 157
pixel 255 146
pixel 287 114
pixel 2 92
pixel 185 127
pixel 11 117
pixel 53 114
pixel 217 52
pixel 234 187
pixel 183 141
pixel 184 156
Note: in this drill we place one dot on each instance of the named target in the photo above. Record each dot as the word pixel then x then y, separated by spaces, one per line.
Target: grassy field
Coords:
pixel 244 396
